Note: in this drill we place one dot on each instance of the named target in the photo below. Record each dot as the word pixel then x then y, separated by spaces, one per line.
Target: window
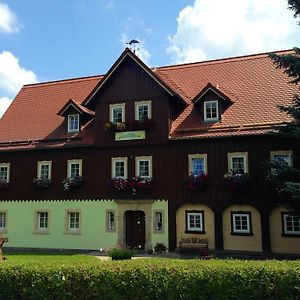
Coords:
pixel 197 164
pixel 3 221
pixel 111 221
pixel 194 221
pixel 117 113
pixel 238 162
pixel 143 166
pixel 4 171
pixel 74 168
pixel 241 223
pixel 282 157
pixel 291 224
pixel 158 221
pixel 211 112
pixel 73 222
pixel 119 167
pixel 42 222
pixel 73 123
pixel 143 110
pixel 44 169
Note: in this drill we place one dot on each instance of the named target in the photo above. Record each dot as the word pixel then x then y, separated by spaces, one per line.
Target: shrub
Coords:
pixel 120 254
pixel 160 247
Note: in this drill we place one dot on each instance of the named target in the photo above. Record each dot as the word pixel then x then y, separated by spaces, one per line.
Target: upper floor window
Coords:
pixel 238 162
pixel 143 110
pixel 73 123
pixel 74 168
pixel 119 167
pixel 143 166
pixel 291 224
pixel 197 164
pixel 44 169
pixel 117 113
pixel 5 171
pixel 282 157
pixel 211 111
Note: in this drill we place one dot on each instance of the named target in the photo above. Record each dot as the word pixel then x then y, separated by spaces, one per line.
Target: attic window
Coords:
pixel 211 112
pixel 73 123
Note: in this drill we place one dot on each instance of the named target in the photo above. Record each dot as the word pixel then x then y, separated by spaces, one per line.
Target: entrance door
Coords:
pixel 135 229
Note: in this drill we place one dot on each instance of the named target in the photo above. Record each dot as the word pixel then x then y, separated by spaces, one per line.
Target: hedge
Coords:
pixel 152 279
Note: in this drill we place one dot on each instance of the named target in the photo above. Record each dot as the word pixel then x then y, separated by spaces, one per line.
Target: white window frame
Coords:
pixel 241 215
pixel 114 106
pixel 138 159
pixel 69 123
pixel 114 160
pixel 286 231
pixel 206 118
pixel 37 228
pixel 189 214
pixel 288 153
pixel 68 229
pixel 4 228
pixel 196 156
pixel 74 161
pixel 44 163
pixel 6 165
pixel 156 221
pixel 235 155
pixel 143 103
pixel 111 226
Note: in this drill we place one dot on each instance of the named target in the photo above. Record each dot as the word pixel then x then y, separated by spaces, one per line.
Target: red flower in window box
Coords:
pixel 237 182
pixel 136 183
pixel 118 183
pixel 196 182
pixel 4 184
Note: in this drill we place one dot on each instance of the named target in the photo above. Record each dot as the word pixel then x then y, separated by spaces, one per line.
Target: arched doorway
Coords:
pixel 135 229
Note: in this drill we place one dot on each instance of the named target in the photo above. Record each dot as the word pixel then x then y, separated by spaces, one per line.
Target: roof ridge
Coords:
pixel 61 81
pixel 221 60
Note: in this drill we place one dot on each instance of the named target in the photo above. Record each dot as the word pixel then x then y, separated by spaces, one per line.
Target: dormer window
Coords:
pixel 73 123
pixel 211 112
pixel 143 110
pixel 117 113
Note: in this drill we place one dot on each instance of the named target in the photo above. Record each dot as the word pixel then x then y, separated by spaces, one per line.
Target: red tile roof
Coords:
pixel 252 83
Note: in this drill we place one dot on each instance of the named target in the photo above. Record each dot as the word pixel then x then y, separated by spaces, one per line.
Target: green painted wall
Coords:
pixel 22 215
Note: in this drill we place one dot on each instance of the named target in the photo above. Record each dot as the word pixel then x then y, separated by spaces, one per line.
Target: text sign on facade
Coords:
pixel 130 135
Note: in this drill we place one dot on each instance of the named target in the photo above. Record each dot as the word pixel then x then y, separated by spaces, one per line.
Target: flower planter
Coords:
pixel 196 183
pixel 42 183
pixel 115 127
pixel 133 185
pixel 237 182
pixel 72 183
pixel 4 184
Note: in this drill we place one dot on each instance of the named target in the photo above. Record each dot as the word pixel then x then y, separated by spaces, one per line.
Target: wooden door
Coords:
pixel 135 229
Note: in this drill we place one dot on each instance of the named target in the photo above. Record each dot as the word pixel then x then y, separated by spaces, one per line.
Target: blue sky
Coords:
pixel 57 39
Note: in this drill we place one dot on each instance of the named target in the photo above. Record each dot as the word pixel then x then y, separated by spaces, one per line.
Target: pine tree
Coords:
pixel 287 179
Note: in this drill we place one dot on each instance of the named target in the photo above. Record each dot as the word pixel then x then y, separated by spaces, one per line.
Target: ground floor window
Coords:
pixel 194 221
pixel 3 221
pixel 241 223
pixel 73 221
pixel 111 220
pixel 158 221
pixel 291 224
pixel 42 221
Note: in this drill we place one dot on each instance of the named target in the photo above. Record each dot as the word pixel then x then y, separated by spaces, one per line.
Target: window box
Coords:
pixel 72 183
pixel 118 184
pixel 42 183
pixel 134 184
pixel 4 184
pixel 115 127
pixel 196 183
pixel 237 182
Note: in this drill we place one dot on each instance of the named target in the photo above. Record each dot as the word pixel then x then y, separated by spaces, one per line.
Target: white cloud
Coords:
pixel 4 104
pixel 12 75
pixel 212 29
pixel 141 50
pixel 8 20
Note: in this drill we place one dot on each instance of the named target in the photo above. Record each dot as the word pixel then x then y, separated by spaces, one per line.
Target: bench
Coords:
pixel 194 243
pixel 2 241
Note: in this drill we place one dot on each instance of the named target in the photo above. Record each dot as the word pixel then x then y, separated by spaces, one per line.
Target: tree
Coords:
pixel 286 178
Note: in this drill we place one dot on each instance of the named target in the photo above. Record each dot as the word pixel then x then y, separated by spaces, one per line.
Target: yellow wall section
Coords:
pixel 280 244
pixel 244 243
pixel 208 223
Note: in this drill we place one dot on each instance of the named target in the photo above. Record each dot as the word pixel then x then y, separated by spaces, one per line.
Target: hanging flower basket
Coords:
pixel 4 184
pixel 42 183
pixel 237 182
pixel 115 127
pixel 196 183
pixel 72 183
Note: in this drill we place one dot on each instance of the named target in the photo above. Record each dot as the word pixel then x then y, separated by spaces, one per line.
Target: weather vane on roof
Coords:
pixel 132 44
